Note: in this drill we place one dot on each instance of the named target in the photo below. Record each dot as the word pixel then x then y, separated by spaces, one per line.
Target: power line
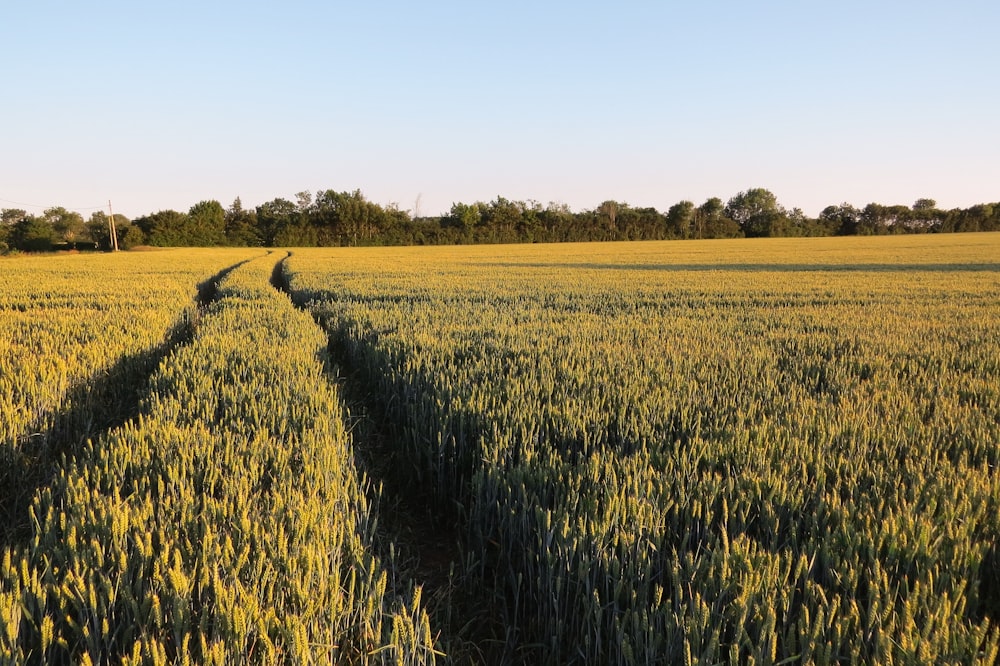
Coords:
pixel 29 205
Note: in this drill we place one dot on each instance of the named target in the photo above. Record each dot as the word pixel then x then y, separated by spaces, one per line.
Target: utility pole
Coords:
pixel 112 229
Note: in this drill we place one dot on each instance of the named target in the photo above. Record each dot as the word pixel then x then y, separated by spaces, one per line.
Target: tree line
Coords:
pixel 329 218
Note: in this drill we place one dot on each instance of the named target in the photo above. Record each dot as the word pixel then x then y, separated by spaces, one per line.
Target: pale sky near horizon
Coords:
pixel 161 105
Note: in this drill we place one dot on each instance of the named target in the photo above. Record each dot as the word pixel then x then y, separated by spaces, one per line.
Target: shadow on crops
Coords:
pixel 103 402
pixel 421 528
pixel 208 289
pixel 278 278
pixel 477 576
pixel 763 267
pixel 419 537
pixel 989 586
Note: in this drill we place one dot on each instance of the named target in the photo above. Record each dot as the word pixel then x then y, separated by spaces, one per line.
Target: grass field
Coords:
pixel 750 451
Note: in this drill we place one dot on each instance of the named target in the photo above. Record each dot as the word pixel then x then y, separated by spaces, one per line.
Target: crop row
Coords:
pixel 81 333
pixel 226 524
pixel 668 459
pixel 65 323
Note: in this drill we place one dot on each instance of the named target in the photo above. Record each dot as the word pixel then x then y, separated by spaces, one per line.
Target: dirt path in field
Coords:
pixel 423 548
pixel 105 401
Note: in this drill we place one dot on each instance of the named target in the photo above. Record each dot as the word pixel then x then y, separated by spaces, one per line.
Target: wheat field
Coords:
pixel 748 451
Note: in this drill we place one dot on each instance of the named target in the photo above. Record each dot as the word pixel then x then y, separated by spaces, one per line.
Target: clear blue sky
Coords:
pixel 161 105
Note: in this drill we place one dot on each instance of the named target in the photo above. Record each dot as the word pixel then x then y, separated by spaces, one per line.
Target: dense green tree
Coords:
pixel 304 200
pixel 274 219
pixel 712 221
pixel 345 218
pixel 130 236
pixel 33 234
pixel 758 213
pixel 11 216
pixel 925 216
pixel 241 226
pixel 877 219
pixel 166 228
pixel 363 221
pixel 530 229
pixel 797 223
pixel 68 226
pixel 872 221
pixel 555 221
pixel 499 220
pixel 202 226
pixel 842 220
pixel 331 217
pixel 207 223
pixel 991 222
pixel 899 218
pixel 606 216
pixel 462 216
pixel 8 218
pixel 397 225
pixel 681 220
pixel 981 217
pixel 99 230
pixel 640 224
